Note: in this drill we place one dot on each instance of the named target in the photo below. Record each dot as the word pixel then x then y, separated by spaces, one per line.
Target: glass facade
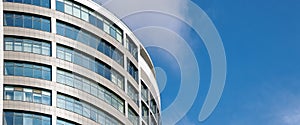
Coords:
pixel 90 63
pixel 91 87
pixel 132 70
pixel 27 21
pixel 91 40
pixel 145 113
pixel 24 118
pixel 132 93
pixel 85 109
pixel 27 69
pixel 21 44
pixel 86 14
pixel 27 94
pixel 153 106
pixel 38 44
pixel 41 3
pixel 131 47
pixel 133 116
pixel 144 92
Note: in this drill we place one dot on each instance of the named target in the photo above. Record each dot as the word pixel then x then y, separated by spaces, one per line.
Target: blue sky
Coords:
pixel 262 44
pixel 262 41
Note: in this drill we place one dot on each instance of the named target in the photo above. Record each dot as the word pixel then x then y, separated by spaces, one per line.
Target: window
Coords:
pixel 144 92
pixel 45 25
pixel 145 112
pixel 9 42
pixel 132 70
pixel 27 21
pixel 68 7
pixel 91 87
pixel 20 118
pixel 45 3
pixel 76 11
pixel 27 94
pixel 133 116
pixel 9 19
pixel 37 23
pixel 84 109
pixel 86 14
pixel 90 63
pixel 22 68
pixel 18 20
pixel 27 45
pixel 131 47
pixel 60 5
pixel 91 40
pixel 132 93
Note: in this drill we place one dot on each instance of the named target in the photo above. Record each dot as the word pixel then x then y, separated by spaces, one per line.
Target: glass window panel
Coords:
pixel 28 71
pixel 78 84
pixel 37 98
pixel 46 120
pixel 18 45
pixel 86 87
pixel 78 108
pixel 61 103
pixel 19 70
pixel 18 119
pixel 47 75
pixel 46 99
pixel 60 6
pixel 36 2
pixel 29 96
pixel 94 90
pixel 113 32
pixel 46 50
pixel 101 47
pixel 60 78
pixel 76 11
pixel 119 37
pixel 37 48
pixel 68 56
pixel 100 24
pixel 9 19
pixel 18 95
pixel 45 25
pixel 18 20
pixel 28 1
pixel 84 15
pixel 68 8
pixel 106 27
pixel 46 3
pixel 60 29
pixel 28 119
pixel 69 105
pixel 8 118
pixel 9 70
pixel 37 22
pixel 69 33
pixel 8 45
pixel 9 95
pixel 27 21
pixel 93 115
pixel 37 73
pixel 37 121
pixel 27 44
pixel 86 112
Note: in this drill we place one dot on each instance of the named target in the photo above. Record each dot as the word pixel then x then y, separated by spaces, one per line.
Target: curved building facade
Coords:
pixel 72 62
